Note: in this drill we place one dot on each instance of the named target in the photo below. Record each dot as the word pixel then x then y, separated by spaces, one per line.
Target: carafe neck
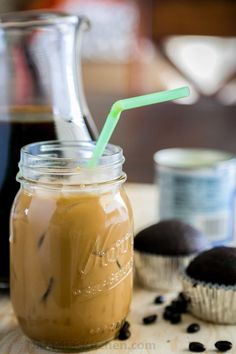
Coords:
pixel 40 60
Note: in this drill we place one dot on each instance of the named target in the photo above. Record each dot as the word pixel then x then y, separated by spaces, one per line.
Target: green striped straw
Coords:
pixel 130 103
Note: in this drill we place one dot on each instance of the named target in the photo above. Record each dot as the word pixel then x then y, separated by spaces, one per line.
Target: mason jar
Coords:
pixel 71 246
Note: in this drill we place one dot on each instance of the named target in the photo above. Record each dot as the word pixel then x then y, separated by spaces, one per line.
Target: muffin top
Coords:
pixel 216 266
pixel 170 237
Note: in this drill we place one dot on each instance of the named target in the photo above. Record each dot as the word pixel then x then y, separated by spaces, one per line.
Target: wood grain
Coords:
pixel 160 338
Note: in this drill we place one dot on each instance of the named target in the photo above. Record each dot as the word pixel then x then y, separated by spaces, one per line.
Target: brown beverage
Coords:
pixel 71 265
pixel 20 129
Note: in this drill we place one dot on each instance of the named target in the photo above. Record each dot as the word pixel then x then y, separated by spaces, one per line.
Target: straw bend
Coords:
pixel 116 108
pixel 129 103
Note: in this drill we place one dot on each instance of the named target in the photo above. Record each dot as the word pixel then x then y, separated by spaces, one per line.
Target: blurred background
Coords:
pixel 138 46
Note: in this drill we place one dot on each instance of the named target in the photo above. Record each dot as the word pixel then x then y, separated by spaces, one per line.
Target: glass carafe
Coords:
pixel 41 96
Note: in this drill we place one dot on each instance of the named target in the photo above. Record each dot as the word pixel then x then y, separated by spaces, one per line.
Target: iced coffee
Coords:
pixel 71 253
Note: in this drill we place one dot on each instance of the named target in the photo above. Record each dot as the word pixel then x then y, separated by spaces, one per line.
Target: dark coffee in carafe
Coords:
pixel 13 135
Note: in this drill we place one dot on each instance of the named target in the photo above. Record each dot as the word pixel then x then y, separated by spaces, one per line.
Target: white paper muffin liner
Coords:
pixel 159 272
pixel 210 302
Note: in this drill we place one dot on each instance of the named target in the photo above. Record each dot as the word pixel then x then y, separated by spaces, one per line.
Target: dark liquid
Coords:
pixel 14 135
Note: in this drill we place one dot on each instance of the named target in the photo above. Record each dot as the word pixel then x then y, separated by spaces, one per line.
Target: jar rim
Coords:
pixel 41 151
pixel 34 18
pixel 57 159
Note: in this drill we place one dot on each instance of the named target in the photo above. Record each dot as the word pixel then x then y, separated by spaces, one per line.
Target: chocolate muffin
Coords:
pixel 170 237
pixel 210 284
pixel 162 249
pixel 216 266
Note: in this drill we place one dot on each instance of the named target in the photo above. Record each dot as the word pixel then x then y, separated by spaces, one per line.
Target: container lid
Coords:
pixel 185 158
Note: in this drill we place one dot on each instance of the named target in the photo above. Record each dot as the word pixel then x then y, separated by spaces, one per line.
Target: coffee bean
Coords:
pixel 123 335
pixel 175 318
pixel 179 305
pixel 196 347
pixel 149 319
pixel 223 345
pixel 124 331
pixel 172 309
pixel 172 313
pixel 182 296
pixel 125 326
pixel 167 315
pixel 193 328
pixel 159 300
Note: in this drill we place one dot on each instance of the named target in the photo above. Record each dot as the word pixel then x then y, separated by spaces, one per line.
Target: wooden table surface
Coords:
pixel 161 337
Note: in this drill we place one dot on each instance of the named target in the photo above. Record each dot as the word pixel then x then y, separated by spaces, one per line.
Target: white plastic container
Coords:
pixel 198 187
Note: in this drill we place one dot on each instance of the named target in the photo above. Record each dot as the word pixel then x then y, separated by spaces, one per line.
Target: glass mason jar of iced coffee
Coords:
pixel 71 246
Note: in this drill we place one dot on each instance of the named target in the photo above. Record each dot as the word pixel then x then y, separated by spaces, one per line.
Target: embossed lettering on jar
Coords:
pixel 71 246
